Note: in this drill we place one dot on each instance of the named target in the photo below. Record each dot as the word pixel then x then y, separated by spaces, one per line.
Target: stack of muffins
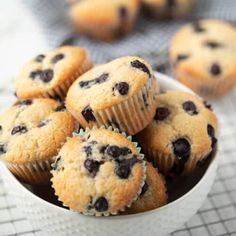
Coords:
pixel 99 169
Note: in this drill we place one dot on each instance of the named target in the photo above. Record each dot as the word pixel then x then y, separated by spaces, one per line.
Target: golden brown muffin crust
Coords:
pixel 99 172
pixel 33 130
pixel 182 127
pixel 48 71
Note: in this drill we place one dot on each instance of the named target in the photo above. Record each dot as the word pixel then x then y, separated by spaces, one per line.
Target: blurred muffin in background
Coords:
pixel 167 9
pixel 203 57
pixel 102 19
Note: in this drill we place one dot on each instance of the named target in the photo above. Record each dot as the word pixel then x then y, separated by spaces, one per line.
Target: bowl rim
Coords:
pixel 169 84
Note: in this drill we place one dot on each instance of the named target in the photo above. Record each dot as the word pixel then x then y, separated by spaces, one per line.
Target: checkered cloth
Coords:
pixel 218 214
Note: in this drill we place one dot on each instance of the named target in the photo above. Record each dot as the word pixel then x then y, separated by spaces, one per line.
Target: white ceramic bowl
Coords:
pixel 59 221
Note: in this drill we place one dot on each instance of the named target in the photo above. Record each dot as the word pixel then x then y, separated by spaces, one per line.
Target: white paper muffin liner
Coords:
pixel 131 115
pixel 37 172
pixel 210 90
pixel 164 163
pixel 83 133
pixel 61 90
pixel 105 33
pixel 162 12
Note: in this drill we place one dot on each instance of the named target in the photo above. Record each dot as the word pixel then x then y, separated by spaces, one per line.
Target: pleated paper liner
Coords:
pixel 85 132
pixel 106 34
pixel 157 12
pixel 131 115
pixel 209 90
pixel 37 172
pixel 164 163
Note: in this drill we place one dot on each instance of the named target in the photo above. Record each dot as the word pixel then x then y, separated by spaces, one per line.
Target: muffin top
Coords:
pixel 184 127
pixel 104 13
pixel 108 84
pixel 153 193
pixel 205 50
pixel 99 172
pixel 33 130
pixel 46 71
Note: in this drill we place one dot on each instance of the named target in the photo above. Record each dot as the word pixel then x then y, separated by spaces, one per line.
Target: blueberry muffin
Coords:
pixel 51 74
pixel 167 9
pixel 182 135
pixel 153 193
pixel 102 19
pixel 119 93
pixel 204 59
pixel 31 131
pixel 99 172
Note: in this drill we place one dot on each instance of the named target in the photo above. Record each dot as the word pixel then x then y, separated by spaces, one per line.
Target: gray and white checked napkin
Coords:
pixel 148 36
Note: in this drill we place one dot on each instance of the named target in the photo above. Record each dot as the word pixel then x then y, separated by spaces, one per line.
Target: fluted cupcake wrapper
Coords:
pixel 214 89
pixel 61 90
pixel 83 133
pixel 158 12
pixel 105 32
pixel 164 163
pixel 131 115
pixel 37 172
pixel 154 12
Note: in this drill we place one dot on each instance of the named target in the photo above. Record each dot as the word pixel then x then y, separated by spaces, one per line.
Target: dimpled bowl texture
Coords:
pixel 55 220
